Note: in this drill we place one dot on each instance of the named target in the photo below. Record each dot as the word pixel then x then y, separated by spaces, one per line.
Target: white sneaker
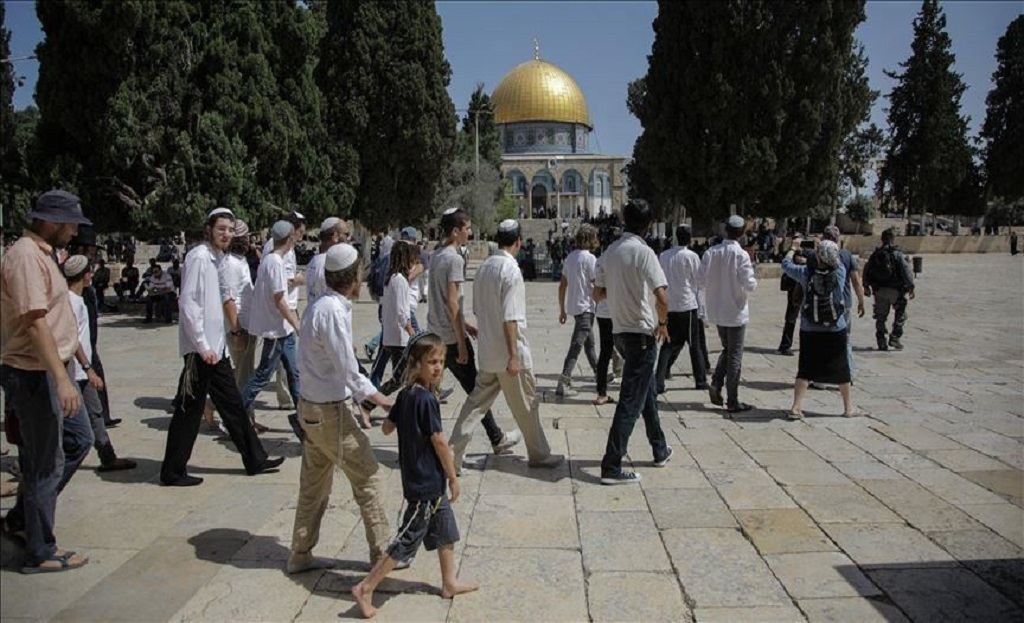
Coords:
pixel 508 441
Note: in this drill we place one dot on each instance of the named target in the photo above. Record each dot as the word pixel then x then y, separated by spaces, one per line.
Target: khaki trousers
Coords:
pixel 333 438
pixel 520 393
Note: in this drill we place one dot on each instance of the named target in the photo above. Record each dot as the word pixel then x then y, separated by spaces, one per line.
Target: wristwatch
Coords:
pixel 86 367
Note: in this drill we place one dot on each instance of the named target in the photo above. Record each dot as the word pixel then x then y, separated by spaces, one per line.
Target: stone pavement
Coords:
pixel 912 513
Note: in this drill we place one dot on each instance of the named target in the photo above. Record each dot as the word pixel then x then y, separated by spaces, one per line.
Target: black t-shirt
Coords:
pixel 417 415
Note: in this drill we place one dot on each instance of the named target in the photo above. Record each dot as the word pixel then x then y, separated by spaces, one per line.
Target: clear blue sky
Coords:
pixel 604 45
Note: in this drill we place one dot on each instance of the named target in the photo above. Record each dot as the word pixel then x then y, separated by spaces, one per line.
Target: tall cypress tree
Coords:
pixel 9 157
pixel 1004 119
pixel 481 111
pixel 742 102
pixel 928 155
pixel 384 75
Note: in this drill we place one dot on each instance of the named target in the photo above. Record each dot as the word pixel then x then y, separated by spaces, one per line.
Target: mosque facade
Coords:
pixel 548 161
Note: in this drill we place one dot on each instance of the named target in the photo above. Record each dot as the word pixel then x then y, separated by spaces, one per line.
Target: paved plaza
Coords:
pixel 912 513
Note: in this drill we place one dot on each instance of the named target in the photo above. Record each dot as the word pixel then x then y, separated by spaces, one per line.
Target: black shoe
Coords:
pixel 117 465
pixel 701 386
pixel 182 481
pixel 715 393
pixel 112 422
pixel 739 408
pixel 881 343
pixel 786 352
pixel 895 344
pixel 266 466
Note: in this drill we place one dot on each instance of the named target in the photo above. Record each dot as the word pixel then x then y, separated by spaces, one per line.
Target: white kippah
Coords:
pixel 736 221
pixel 329 223
pixel 508 225
pixel 218 211
pixel 340 257
pixel 450 211
pixel 75 265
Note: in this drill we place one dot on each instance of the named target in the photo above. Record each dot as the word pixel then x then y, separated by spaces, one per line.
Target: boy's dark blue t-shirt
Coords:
pixel 417 415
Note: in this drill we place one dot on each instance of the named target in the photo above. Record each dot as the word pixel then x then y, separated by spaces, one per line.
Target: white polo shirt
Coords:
pixel 265 319
pixel 629 273
pixel 499 296
pixel 200 313
pixel 727 277
pixel 681 266
pixel 327 363
pixel 291 268
pixel 578 270
pixel 236 285
pixel 395 311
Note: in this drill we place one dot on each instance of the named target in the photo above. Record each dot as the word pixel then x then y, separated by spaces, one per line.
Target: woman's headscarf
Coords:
pixel 828 254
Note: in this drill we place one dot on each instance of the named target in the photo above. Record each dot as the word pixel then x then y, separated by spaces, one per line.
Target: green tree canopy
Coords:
pixel 480 107
pixel 928 155
pixel 158 111
pixel 1004 118
pixel 746 101
pixel 390 118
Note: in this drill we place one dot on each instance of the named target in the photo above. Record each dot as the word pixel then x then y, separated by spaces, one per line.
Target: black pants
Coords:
pixel 794 299
pixel 606 346
pixel 198 379
pixel 682 331
pixel 465 374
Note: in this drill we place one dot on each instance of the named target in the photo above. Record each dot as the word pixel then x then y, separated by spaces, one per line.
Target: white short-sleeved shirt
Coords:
pixel 395 311
pixel 681 266
pixel 578 270
pixel 629 273
pixel 327 364
pixel 446 266
pixel 265 320
pixel 499 296
pixel 84 336
pixel 236 285
pixel 316 281
pixel 291 268
pixel 727 277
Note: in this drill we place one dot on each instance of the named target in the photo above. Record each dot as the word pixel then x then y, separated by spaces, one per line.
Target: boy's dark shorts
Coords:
pixel 430 522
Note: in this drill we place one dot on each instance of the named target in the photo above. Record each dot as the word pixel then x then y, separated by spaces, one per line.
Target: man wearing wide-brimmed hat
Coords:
pixel 38 338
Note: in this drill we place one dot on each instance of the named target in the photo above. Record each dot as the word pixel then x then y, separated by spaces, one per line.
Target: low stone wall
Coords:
pixel 922 245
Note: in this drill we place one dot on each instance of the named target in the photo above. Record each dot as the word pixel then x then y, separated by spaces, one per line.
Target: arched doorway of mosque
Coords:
pixel 540 200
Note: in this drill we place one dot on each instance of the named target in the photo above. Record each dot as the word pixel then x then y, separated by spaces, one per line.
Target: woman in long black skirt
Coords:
pixel 823 332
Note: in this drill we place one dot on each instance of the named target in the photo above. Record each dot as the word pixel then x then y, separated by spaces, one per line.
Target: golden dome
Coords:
pixel 539 91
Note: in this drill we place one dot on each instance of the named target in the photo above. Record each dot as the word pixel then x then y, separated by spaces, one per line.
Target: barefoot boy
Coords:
pixel 426 462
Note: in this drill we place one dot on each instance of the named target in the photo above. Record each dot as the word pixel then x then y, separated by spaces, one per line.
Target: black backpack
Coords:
pixel 881 268
pixel 378 276
pixel 820 306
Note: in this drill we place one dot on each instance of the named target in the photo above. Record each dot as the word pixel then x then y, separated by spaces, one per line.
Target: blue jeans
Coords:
pixel 275 351
pixel 52 448
pixel 637 397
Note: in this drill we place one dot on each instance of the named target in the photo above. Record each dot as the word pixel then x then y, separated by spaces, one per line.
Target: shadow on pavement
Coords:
pixel 223 545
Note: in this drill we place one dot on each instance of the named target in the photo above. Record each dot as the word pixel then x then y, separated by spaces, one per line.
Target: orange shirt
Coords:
pixel 31 280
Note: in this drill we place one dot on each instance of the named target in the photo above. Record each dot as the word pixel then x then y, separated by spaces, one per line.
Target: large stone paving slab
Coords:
pixel 713 563
pixel 522 585
pixel 636 596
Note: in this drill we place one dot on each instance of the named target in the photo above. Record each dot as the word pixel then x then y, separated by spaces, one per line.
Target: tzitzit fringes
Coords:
pixel 190 377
